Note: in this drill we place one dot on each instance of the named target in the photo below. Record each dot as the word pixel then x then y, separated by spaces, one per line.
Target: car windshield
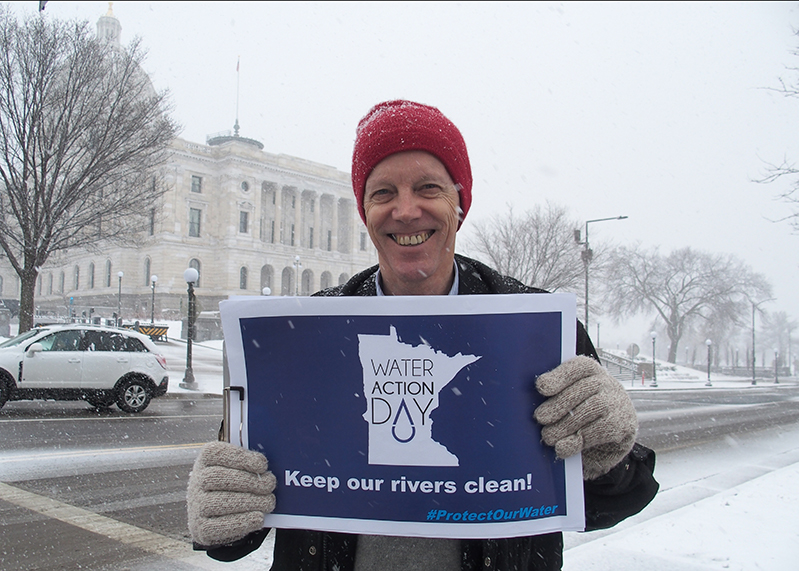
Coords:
pixel 20 338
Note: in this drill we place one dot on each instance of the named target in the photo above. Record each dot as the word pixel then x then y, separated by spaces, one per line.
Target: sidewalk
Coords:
pixel 728 505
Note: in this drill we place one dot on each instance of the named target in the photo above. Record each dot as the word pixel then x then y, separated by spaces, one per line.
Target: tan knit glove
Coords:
pixel 588 411
pixel 230 491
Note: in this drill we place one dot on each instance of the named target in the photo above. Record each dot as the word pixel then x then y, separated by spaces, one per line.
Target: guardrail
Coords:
pixel 621 368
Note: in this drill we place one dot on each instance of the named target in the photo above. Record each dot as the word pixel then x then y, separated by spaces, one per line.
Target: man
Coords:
pixel 412 182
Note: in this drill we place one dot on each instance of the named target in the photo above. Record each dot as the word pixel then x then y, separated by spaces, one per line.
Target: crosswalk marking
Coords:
pixel 124 533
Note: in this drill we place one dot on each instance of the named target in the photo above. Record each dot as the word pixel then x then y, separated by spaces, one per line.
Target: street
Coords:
pixel 671 420
pixel 126 469
pixel 84 489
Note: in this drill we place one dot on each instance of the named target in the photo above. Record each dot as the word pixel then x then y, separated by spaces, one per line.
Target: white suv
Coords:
pixel 101 365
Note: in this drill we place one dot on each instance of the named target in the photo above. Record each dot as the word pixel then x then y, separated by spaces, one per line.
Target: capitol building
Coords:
pixel 244 218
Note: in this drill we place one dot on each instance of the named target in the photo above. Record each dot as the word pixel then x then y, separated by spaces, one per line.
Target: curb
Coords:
pixel 189 396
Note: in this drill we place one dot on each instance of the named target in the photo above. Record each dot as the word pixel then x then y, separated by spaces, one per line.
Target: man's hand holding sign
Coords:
pixel 230 491
pixel 587 412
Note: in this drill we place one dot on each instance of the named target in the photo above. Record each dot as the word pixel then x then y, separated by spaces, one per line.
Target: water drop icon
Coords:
pixel 403 407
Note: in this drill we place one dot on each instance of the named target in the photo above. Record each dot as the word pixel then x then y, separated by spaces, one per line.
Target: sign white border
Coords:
pixel 237 308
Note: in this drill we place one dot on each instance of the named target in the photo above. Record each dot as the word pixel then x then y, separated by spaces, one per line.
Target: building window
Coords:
pixel 287 281
pixel 292 234
pixel 363 241
pixel 196 184
pixel 310 237
pixel 326 280
pixel 50 286
pixel 77 278
pixel 91 275
pixel 243 278
pixel 272 231
pixel 147 273
pixel 108 273
pixel 266 277
pixel 194 222
pixel 244 222
pixel 61 282
pixel 305 284
pixel 245 186
pixel 152 221
pixel 329 240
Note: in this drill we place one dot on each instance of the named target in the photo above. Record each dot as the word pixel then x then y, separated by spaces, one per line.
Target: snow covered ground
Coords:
pixel 726 505
pixel 732 504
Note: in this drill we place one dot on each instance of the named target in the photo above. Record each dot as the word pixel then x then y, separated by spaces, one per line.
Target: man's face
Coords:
pixel 411 208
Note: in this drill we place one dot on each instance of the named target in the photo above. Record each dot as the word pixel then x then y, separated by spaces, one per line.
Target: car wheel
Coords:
pixel 5 391
pixel 133 395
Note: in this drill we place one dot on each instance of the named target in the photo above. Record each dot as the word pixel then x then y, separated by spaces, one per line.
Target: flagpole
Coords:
pixel 236 126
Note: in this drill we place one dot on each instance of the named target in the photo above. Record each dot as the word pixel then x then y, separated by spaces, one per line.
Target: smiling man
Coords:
pixel 413 184
pixel 411 209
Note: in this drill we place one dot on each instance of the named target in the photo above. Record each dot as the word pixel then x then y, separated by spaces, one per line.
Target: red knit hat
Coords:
pixel 394 126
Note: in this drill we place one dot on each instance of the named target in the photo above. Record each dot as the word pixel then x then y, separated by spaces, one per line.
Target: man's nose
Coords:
pixel 407 205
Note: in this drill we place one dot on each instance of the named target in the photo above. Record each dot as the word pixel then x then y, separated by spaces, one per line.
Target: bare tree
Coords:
pixel 777 328
pixel 82 133
pixel 682 287
pixel 537 248
pixel 786 168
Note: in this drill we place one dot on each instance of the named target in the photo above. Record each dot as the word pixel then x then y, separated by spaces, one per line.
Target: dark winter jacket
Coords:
pixel 622 492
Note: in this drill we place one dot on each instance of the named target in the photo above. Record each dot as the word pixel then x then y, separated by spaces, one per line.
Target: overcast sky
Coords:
pixel 657 111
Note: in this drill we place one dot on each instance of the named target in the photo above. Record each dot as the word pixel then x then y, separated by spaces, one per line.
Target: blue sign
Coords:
pixel 406 416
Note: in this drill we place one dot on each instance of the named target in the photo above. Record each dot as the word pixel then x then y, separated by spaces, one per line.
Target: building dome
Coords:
pixel 109 28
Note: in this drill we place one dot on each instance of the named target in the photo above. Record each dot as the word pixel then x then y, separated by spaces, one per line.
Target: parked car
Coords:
pixel 101 365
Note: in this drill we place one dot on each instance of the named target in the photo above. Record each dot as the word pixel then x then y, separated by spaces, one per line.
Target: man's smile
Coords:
pixel 412 239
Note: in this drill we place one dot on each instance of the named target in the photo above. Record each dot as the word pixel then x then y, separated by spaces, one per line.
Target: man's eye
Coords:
pixel 379 194
pixel 429 189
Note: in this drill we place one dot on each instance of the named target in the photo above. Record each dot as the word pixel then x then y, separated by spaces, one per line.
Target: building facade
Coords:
pixel 244 218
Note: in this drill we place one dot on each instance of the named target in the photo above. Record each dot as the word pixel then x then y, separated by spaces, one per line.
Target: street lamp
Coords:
pixel 191 276
pixel 119 300
pixel 153 279
pixel 266 291
pixel 297 266
pixel 708 342
pixel 654 367
pixel 776 366
pixel 754 381
pixel 587 255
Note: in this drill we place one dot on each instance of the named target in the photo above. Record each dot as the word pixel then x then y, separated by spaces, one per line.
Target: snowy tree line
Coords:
pixel 692 295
